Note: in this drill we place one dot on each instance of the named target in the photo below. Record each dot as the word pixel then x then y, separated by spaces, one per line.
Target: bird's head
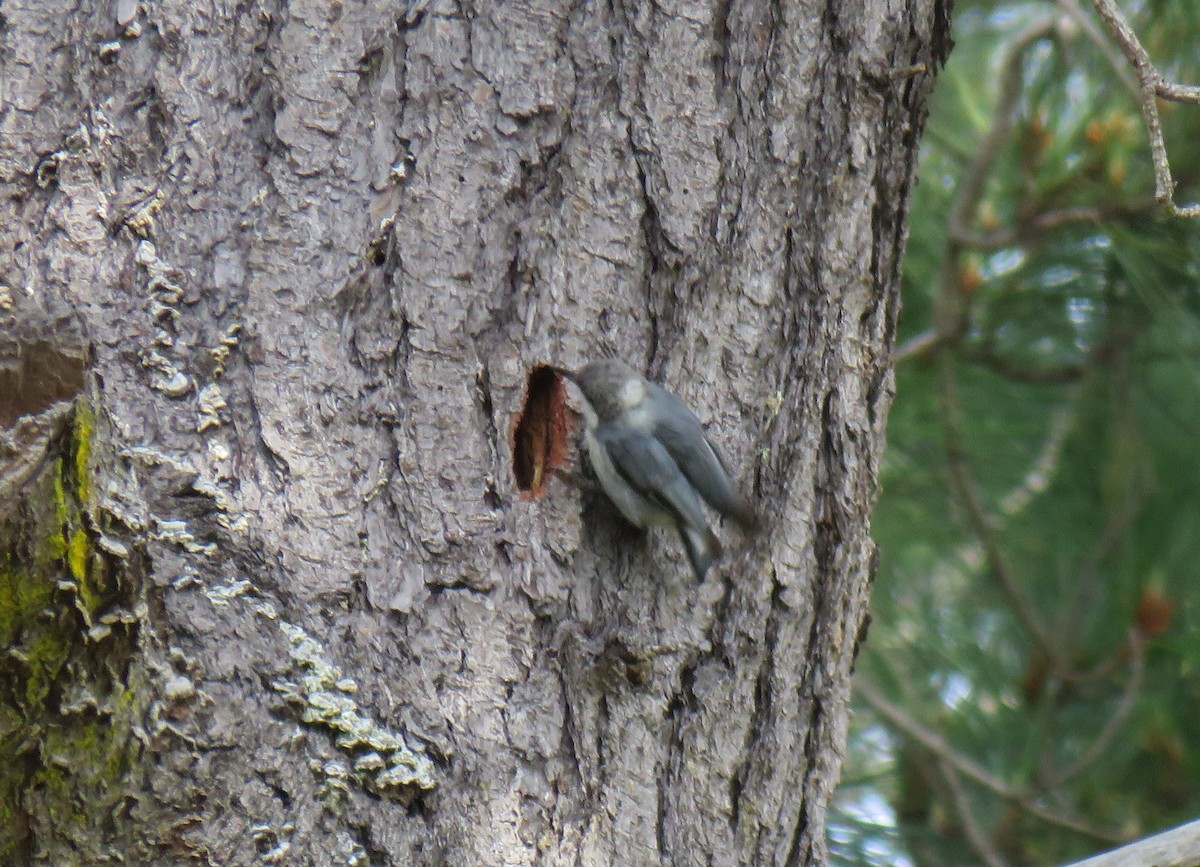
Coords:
pixel 610 387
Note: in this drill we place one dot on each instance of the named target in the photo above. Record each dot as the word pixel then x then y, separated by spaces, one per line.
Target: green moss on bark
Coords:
pixel 68 706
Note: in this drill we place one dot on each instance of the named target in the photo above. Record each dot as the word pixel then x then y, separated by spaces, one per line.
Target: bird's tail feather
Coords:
pixel 702 546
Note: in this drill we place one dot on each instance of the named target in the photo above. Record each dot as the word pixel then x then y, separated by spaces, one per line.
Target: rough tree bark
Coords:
pixel 275 277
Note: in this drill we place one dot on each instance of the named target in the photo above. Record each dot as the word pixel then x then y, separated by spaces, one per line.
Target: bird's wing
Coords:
pixel 649 469
pixel 698 458
pixel 736 506
pixel 690 449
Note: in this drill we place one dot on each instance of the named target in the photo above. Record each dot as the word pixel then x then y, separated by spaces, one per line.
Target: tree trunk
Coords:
pixel 273 591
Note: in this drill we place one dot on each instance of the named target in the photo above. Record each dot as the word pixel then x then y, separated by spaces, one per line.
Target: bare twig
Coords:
pixel 986 354
pixel 1152 86
pixel 1133 688
pixel 1179 847
pixel 971 187
pixel 1045 465
pixel 1115 532
pixel 1103 670
pixel 931 740
pixel 922 344
pixel 1060 375
pixel 951 313
pixel 1041 223
pixel 1104 45
pixel 951 310
pixel 982 523
pixel 937 745
pixel 976 836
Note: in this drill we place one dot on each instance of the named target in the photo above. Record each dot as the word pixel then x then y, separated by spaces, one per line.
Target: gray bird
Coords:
pixel 654 460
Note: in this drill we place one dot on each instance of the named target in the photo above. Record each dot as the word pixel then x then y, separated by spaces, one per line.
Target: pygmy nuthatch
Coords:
pixel 654 460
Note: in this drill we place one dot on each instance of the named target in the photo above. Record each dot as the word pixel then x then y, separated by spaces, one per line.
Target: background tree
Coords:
pixel 1028 694
pixel 276 587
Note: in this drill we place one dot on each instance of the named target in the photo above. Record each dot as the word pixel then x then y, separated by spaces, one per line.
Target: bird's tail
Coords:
pixel 702 545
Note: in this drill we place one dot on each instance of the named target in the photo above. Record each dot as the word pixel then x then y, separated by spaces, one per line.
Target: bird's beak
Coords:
pixel 566 374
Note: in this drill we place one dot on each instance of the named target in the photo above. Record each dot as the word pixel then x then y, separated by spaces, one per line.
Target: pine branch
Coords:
pixel 1153 86
pixel 937 745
